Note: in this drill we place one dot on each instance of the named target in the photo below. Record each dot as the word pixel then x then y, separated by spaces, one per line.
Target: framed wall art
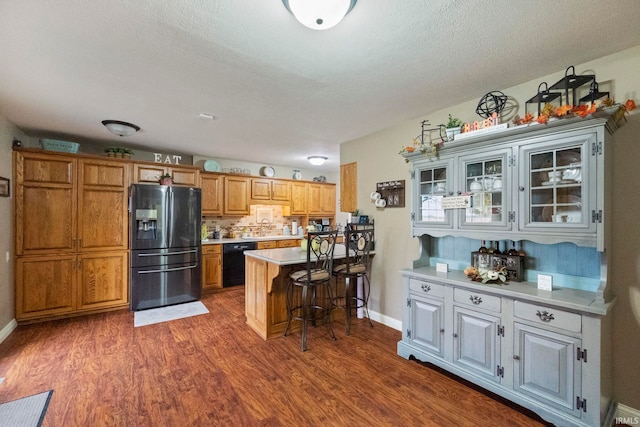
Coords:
pixel 5 187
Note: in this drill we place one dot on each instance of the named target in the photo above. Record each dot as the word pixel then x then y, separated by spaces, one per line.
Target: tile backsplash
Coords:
pixel 271 216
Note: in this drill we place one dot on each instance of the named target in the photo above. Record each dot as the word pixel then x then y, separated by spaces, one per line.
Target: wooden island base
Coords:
pixel 265 297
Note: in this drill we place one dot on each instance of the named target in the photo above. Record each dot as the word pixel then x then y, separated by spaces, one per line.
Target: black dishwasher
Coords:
pixel 233 262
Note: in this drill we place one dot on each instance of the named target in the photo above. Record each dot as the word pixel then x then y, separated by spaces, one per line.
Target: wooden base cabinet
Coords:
pixel 48 286
pixel 211 267
pixel 547 353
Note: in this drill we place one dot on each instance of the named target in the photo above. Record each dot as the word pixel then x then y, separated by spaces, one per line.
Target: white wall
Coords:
pixel 378 160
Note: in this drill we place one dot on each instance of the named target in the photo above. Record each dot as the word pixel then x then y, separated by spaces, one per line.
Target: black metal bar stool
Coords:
pixel 303 302
pixel 358 240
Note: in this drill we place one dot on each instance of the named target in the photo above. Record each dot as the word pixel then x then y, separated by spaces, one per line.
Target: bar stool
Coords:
pixel 358 243
pixel 303 302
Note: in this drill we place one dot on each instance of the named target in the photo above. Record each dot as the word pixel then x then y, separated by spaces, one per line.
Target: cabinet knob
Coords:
pixel 442 330
pixel 516 357
pixel 475 299
pixel 455 335
pixel 545 316
pixel 426 287
pixel 521 188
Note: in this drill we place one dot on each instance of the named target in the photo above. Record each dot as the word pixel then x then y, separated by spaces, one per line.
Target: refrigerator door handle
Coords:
pixel 167 270
pixel 193 251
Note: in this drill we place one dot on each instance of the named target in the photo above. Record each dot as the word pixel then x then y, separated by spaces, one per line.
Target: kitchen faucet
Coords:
pixel 262 223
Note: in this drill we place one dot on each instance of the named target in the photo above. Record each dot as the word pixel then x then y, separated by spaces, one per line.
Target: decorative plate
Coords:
pixel 211 166
pixel 267 171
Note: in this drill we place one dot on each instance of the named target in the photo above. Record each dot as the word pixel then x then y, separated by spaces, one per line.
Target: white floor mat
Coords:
pixel 165 314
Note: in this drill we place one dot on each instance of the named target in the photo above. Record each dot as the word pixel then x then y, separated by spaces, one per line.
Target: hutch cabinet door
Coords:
pixel 432 182
pixel 488 177
pixel 545 367
pixel 476 346
pixel 558 178
pixel 427 324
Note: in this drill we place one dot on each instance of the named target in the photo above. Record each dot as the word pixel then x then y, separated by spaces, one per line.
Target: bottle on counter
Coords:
pixel 497 248
pixel 513 251
pixel 483 249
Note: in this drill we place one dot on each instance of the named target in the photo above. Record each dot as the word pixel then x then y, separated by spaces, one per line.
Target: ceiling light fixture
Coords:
pixel 319 14
pixel 119 128
pixel 317 160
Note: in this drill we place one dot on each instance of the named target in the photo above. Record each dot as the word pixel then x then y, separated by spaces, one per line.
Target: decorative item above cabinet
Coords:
pixel 543 183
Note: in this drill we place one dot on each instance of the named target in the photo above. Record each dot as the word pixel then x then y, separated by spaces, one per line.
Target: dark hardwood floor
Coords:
pixel 212 370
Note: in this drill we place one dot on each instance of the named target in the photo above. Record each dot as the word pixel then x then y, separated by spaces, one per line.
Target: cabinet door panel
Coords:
pixel 546 367
pixel 281 191
pixel 148 174
pixel 103 280
pixel 44 286
pixel 260 189
pixel 211 271
pixel 186 177
pixel 102 205
pixel 557 175
pixel 236 195
pixel 211 186
pixel 46 220
pixel 476 345
pixel 433 181
pixel 45 203
pixel 487 177
pixel 299 198
pixel 427 323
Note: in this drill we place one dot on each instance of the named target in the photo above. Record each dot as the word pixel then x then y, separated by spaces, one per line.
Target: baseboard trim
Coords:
pixel 386 320
pixel 626 415
pixel 6 331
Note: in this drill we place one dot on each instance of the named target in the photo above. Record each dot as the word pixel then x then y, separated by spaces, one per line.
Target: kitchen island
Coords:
pixel 266 278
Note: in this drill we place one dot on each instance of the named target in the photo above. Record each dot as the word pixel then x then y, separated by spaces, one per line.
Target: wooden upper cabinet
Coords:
pixel 150 173
pixel 236 195
pixel 212 193
pixel 185 176
pixel 349 187
pixel 103 204
pixel 265 190
pixel 299 198
pixel 45 203
pixel 322 199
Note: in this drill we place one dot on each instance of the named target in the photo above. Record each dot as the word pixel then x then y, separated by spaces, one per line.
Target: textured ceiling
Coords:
pixel 279 91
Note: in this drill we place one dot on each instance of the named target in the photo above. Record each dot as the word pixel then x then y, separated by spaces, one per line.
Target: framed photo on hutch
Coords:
pixel 5 188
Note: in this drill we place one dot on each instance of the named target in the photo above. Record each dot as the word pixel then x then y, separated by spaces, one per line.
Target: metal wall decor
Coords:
pixel 492 102
pixel 594 93
pixel 5 187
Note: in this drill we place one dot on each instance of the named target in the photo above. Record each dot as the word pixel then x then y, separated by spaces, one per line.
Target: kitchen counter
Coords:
pixel 290 256
pixel 249 239
pixel 266 279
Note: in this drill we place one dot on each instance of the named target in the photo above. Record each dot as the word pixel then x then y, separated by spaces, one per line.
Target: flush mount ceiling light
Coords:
pixel 317 160
pixel 119 128
pixel 319 14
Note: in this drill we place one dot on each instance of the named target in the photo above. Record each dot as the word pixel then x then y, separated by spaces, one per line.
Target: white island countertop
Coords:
pixel 289 256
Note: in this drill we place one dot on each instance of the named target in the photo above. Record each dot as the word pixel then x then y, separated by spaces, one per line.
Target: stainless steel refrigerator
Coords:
pixel 165 264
